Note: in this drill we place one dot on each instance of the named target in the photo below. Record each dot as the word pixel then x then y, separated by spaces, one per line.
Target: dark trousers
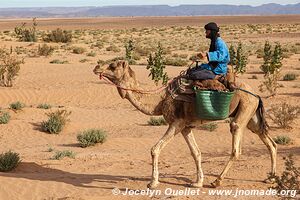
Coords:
pixel 198 73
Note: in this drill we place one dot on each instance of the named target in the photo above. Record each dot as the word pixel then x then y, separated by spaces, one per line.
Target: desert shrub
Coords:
pixel 62 154
pixel 289 179
pixel 175 62
pixel 84 60
pixel 79 50
pixel 58 35
pixel 282 139
pixel 4 117
pixel 9 161
pixel 289 77
pixel 91 137
pixel 56 122
pixel 156 66
pixel 113 48
pixel 209 127
pixel 45 50
pixel 17 105
pixel 27 34
pixel 44 106
pixel 270 83
pixel 144 51
pixel 157 121
pixel 284 114
pixel 57 61
pixel 91 54
pixel 272 60
pixel 238 59
pixel 254 77
pixel 9 67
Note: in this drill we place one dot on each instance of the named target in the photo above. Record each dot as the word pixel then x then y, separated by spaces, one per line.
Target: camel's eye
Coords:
pixel 112 67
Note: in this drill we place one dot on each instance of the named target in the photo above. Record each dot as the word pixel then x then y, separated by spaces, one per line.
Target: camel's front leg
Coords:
pixel 189 138
pixel 155 151
pixel 236 132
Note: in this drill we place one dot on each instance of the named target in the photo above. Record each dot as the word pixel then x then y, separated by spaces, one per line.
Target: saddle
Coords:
pixel 182 89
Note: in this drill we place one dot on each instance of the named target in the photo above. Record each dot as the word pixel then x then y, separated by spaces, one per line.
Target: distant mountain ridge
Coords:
pixel 151 10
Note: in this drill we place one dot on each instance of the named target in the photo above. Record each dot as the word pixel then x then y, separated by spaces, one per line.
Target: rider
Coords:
pixel 217 57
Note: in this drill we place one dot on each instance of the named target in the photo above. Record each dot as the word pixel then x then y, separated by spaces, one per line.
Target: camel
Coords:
pixel 245 109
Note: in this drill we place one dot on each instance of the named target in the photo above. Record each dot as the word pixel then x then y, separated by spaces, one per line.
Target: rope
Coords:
pixel 142 91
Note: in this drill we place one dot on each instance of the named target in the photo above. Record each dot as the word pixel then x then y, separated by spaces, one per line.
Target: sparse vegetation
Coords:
pixel 57 61
pixel 27 34
pixel 44 106
pixel 62 154
pixel 284 114
pixel 91 137
pixel 17 105
pixel 45 50
pixel 283 140
pixel 9 67
pixel 289 77
pixel 156 66
pixel 289 179
pixel 238 59
pixel 4 117
pixel 56 122
pixel 157 121
pixel 79 50
pixel 209 127
pixel 9 161
pixel 58 35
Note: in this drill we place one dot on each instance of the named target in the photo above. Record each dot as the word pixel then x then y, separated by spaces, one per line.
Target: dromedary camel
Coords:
pixel 245 110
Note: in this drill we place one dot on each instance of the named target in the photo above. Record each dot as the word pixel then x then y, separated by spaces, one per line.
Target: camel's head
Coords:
pixel 117 72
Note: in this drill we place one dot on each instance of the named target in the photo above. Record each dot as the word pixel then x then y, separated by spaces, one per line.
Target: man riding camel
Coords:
pixel 218 57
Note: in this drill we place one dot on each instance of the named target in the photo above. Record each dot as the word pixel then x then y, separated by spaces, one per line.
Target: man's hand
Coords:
pixel 202 56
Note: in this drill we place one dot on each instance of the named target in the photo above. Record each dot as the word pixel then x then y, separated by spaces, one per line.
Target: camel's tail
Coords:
pixel 258 123
pixel 264 126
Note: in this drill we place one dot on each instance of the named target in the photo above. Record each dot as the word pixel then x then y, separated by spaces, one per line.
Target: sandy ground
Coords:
pixel 124 160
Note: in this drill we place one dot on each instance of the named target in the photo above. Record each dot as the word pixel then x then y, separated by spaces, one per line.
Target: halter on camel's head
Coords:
pixel 116 72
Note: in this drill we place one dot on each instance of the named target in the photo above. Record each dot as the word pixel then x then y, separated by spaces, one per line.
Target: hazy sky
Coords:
pixel 51 3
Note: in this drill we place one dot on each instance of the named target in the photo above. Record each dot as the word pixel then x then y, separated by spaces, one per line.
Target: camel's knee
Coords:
pixel 154 151
pixel 233 127
pixel 235 155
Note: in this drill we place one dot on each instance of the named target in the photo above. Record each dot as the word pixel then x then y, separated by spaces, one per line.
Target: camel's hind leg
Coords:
pixel 254 126
pixel 189 138
pixel 173 129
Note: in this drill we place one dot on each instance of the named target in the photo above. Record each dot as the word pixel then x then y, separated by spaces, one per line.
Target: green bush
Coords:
pixel 9 161
pixel 289 77
pixel 27 34
pixel 284 114
pixel 56 122
pixel 62 154
pixel 175 62
pixel 4 117
pixel 17 105
pixel 283 140
pixel 289 179
pixel 59 35
pixel 157 121
pixel 44 106
pixel 209 127
pixel 79 50
pixel 91 137
pixel 45 50
pixel 57 61
pixel 91 54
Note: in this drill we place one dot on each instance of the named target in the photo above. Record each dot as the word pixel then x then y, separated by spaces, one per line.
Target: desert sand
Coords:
pixel 124 160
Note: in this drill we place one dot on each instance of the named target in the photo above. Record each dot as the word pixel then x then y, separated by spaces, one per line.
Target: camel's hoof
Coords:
pixel 216 183
pixel 153 185
pixel 196 185
pixel 269 180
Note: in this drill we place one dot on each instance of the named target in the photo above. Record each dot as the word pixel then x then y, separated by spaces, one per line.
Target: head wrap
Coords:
pixel 214 34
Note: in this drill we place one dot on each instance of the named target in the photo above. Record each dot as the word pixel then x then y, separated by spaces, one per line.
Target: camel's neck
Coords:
pixel 149 104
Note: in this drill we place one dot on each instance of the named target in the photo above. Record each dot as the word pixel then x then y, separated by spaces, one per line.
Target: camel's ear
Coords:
pixel 130 71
